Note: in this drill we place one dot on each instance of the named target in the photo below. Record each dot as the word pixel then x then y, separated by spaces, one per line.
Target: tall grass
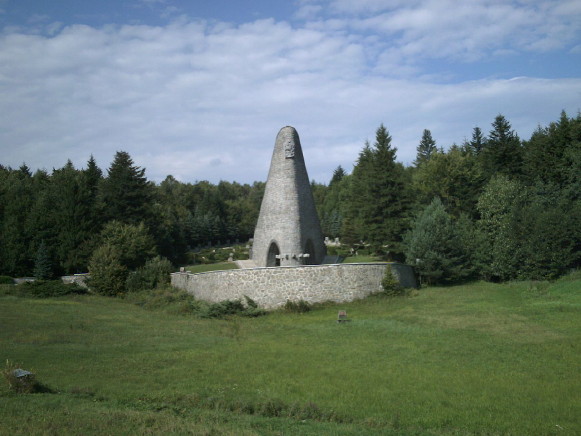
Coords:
pixel 473 359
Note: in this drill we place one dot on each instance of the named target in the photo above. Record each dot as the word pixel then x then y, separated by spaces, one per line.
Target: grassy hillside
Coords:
pixel 474 359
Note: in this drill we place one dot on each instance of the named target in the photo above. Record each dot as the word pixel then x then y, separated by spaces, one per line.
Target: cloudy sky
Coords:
pixel 199 89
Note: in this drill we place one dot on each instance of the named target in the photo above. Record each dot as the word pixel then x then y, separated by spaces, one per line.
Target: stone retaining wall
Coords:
pixel 272 287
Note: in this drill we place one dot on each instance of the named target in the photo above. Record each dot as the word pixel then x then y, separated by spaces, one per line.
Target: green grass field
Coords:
pixel 220 266
pixel 362 259
pixel 473 359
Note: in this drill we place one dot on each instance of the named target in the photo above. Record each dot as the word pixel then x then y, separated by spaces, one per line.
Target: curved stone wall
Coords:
pixel 272 287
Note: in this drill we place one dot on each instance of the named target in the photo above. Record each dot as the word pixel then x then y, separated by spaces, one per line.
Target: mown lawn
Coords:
pixel 220 266
pixel 473 359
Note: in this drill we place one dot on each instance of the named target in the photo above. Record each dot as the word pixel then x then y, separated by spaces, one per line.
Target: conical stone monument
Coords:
pixel 288 232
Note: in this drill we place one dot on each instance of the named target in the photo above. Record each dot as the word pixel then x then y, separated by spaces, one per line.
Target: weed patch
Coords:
pixel 176 301
pixel 21 381
pixel 300 306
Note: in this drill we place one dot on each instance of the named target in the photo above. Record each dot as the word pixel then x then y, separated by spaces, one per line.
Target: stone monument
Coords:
pixel 288 232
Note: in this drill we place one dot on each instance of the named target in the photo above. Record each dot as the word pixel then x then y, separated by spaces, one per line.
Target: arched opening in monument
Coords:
pixel 310 250
pixel 273 251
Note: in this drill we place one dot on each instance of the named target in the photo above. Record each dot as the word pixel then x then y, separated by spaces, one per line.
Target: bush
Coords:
pixel 232 307
pixel 224 308
pixel 300 306
pixel 176 301
pixel 134 243
pixel 154 273
pixel 107 274
pixel 390 283
pixel 166 298
pixel 46 289
pixel 5 280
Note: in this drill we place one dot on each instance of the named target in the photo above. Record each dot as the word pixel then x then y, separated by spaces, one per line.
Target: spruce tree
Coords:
pixel 425 149
pixel 42 263
pixel 125 192
pixel 503 151
pixel 338 175
pixel 379 201
pixel 17 199
pixel 434 246
pixel 478 142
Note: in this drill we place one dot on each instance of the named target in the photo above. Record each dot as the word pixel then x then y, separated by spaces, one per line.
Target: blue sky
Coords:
pixel 199 89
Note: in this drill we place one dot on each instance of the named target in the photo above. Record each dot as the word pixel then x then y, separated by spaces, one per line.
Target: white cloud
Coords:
pixel 460 30
pixel 202 100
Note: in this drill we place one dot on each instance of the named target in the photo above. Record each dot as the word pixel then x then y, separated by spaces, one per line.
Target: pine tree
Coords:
pixel 425 149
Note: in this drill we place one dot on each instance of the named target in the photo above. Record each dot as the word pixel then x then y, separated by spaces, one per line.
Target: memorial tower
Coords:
pixel 288 231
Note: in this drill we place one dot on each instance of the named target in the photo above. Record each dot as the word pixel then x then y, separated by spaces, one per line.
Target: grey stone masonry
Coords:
pixel 288 231
pixel 272 287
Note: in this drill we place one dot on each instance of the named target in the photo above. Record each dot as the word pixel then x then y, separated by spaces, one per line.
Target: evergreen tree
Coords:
pixel 425 149
pixel 548 228
pixel 546 153
pixel 379 201
pixel 43 263
pixel 434 246
pixel 17 198
pixel 338 175
pixel 125 192
pixel 455 177
pixel 503 152
pixel 478 142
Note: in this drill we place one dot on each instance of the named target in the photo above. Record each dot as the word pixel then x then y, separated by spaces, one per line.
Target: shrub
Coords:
pixel 154 273
pixel 107 274
pixel 134 243
pixel 224 308
pixel 232 307
pixel 166 298
pixel 47 289
pixel 176 301
pixel 5 280
pixel 390 283
pixel 300 306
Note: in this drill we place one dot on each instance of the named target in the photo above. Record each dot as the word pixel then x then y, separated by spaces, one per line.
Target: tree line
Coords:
pixel 60 219
pixel 495 207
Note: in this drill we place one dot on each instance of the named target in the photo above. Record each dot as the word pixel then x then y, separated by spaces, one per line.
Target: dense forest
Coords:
pixel 494 208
